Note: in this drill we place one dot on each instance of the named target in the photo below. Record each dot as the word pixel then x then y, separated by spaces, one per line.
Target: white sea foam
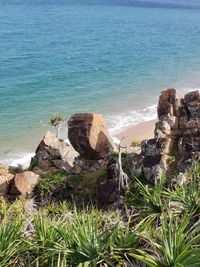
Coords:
pixel 19 159
pixel 121 121
pixel 116 123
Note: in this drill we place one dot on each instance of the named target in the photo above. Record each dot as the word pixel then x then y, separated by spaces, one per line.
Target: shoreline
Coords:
pixel 19 150
pixel 138 132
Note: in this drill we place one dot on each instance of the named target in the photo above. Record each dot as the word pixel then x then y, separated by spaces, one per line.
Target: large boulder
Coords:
pixel 24 183
pixel 89 137
pixel 5 179
pixel 52 154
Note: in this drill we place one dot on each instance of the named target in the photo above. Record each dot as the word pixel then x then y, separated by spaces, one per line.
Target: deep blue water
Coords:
pixel 111 57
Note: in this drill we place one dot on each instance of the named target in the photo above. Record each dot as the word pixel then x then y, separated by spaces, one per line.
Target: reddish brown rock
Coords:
pixel 89 137
pixel 5 179
pixel 168 104
pixel 24 183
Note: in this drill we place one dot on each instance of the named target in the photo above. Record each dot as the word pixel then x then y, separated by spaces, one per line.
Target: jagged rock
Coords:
pixel 89 137
pixel 178 130
pixel 112 169
pixel 154 167
pixel 24 183
pixel 88 165
pixel 189 143
pixel 192 98
pixel 154 147
pixel 52 154
pixel 168 104
pixel 187 161
pixel 137 165
pixel 162 129
pixel 5 179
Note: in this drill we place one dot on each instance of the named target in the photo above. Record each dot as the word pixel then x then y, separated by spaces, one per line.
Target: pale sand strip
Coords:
pixel 144 130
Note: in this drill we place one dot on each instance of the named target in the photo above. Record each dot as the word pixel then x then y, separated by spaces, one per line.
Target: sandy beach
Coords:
pixel 139 132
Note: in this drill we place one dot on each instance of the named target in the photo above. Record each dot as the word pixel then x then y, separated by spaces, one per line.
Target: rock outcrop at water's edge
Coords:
pixel 176 142
pixel 90 138
pixel 174 148
pixel 52 155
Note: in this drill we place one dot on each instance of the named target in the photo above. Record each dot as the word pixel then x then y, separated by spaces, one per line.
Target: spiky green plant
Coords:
pixel 86 238
pixel 43 243
pixel 152 204
pixel 122 242
pixel 186 196
pixel 177 243
pixel 12 244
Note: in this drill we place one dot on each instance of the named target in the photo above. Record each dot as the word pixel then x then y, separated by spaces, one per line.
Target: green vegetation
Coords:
pixel 163 229
pixel 136 143
pixel 56 121
pixel 47 184
pixel 171 159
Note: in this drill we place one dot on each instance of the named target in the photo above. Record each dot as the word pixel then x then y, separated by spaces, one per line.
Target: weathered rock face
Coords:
pixel 5 178
pixel 24 183
pixel 89 137
pixel 52 154
pixel 108 191
pixel 168 104
pixel 176 133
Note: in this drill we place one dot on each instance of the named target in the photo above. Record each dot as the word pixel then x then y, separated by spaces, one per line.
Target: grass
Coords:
pixel 136 143
pixel 161 230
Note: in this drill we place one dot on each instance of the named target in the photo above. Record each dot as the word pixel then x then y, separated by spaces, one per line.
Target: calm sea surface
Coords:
pixel 110 57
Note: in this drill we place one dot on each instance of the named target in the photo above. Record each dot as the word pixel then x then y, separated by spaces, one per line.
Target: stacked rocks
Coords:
pixel 177 132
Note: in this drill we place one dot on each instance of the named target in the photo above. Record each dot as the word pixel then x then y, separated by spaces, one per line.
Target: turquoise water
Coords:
pixel 111 57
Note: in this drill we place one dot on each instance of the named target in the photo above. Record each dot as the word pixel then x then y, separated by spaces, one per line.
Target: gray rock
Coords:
pixel 52 154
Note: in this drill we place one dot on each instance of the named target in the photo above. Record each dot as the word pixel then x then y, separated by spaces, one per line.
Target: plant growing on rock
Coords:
pixel 56 121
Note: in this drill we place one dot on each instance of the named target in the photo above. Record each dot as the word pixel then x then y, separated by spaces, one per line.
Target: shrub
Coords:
pixel 56 121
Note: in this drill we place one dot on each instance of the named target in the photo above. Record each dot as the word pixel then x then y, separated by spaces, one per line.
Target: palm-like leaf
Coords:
pixel 12 244
pixel 176 244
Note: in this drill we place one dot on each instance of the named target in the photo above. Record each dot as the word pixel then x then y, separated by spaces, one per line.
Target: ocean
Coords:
pixel 111 57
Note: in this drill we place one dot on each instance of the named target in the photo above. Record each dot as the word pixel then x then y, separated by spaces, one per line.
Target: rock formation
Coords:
pixel 90 138
pixel 51 155
pixel 177 134
pixel 5 178
pixel 24 183
pixel 88 135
